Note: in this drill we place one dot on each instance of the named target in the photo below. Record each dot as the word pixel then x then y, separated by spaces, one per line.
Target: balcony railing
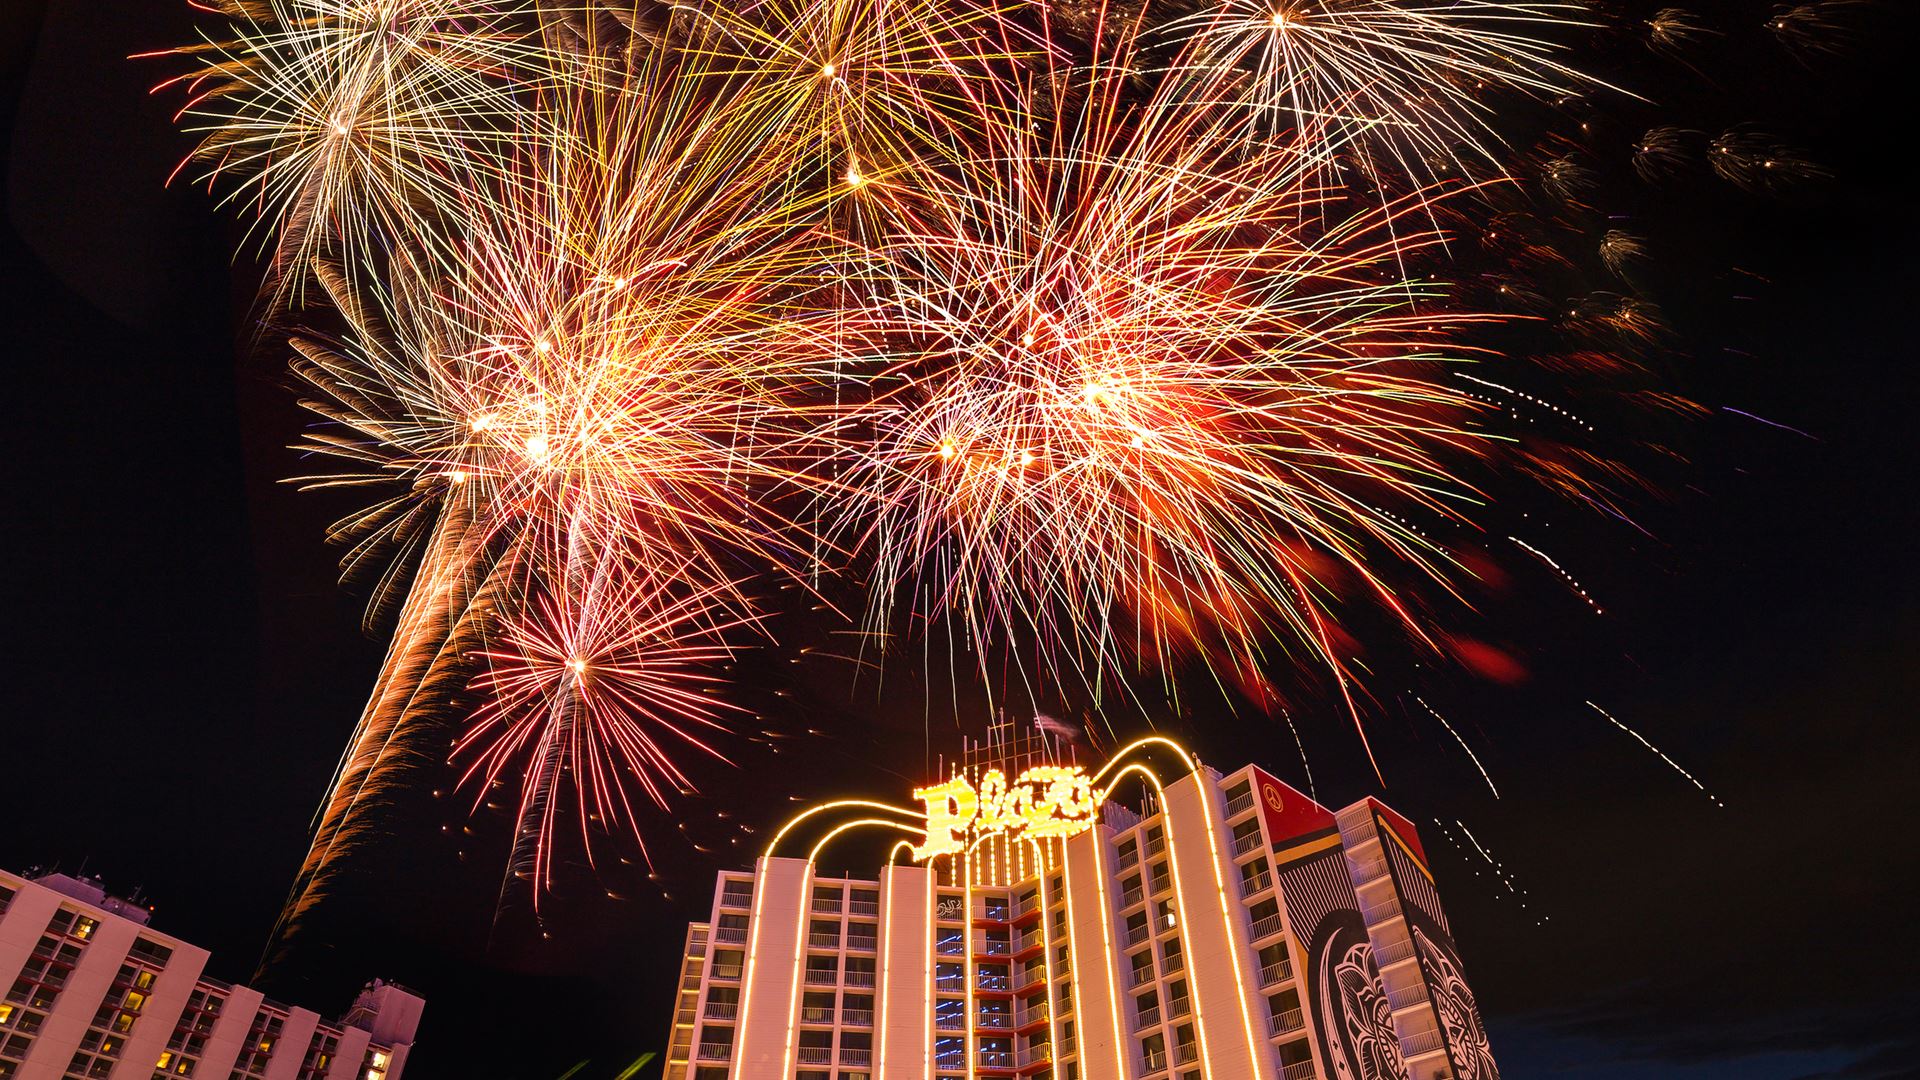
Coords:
pixel 822 976
pixel 722 1010
pixel 1381 912
pixel 816 1014
pixel 950 1023
pixel 853 1055
pixel 995 1059
pixel 1184 1053
pixel 1148 1018
pixel 1162 883
pixel 1030 939
pixel 1278 971
pixel 1394 953
pixel 1154 1060
pixel 1130 859
pixel 1366 871
pixel 736 898
pixel 1425 1042
pixel 1174 962
pixel 1245 844
pixel 727 971
pixel 863 907
pixel 1285 1022
pixel 950 946
pixel 996 1021
pixel 1156 844
pixel 1255 884
pixel 1299 1070
pixel 863 943
pixel 1179 1006
pixel 1142 976
pixel 715 1051
pixel 824 941
pixel 1131 897
pixel 1136 935
pixel 815 1055
pixel 1037 1054
pixel 1035 1015
pixel 859 978
pixel 731 935
pixel 1266 927
pixel 1239 804
pixel 1407 995
pixel 823 905
pixel 996 947
pixel 857 1017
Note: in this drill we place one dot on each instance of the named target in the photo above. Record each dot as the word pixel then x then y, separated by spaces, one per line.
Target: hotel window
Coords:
pixel 826 898
pixel 824 934
pixel 862 936
pixel 1142 967
pixel 1153 1052
pixel 737 893
pixel 1156 840
pixel 83 928
pixel 860 971
pixel 1162 881
pixel 726 963
pixel 1163 916
pixel 374 1065
pixel 865 902
pixel 816 1007
pixel 1239 798
pixel 1170 954
pixel 1177 1003
pixel 1136 928
pixel 150 952
pixel 1129 853
pixel 1130 891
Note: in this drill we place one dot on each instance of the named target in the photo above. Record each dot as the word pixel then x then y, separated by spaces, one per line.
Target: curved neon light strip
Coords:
pixel 836 804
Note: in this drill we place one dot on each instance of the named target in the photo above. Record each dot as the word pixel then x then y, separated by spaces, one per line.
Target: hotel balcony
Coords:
pixel 1239 804
pixel 716 1051
pixel 1285 1023
pixel 1276 973
pixel 722 1010
pixel 1266 927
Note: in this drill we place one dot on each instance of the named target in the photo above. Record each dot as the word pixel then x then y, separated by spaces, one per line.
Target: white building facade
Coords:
pixel 1235 929
pixel 93 993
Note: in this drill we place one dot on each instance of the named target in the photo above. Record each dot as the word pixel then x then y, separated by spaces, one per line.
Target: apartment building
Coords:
pixel 94 993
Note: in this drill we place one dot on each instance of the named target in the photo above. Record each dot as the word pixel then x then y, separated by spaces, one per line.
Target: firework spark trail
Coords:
pixel 1305 766
pixel 1674 765
pixel 1494 866
pixel 1558 569
pixel 1471 756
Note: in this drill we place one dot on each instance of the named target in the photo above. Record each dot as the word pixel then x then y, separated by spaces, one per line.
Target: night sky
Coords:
pixel 183 668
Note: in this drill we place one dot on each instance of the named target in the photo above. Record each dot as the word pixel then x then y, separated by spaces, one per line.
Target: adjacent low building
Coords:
pixel 94 993
pixel 1028 925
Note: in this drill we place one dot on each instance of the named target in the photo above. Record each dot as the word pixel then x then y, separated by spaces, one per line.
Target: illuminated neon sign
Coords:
pixel 1046 801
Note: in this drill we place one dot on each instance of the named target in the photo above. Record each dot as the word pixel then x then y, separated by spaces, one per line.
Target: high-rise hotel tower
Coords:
pixel 1026 925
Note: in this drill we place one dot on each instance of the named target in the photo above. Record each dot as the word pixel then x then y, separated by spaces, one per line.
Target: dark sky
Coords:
pixel 182 669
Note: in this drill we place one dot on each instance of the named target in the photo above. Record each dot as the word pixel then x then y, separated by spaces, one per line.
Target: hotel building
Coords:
pixel 1229 927
pixel 93 992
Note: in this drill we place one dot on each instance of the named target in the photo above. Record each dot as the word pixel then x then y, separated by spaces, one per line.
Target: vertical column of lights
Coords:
pixel 931 999
pixel 886 960
pixel 1121 1048
pixel 1179 897
pixel 736 1069
pixel 1254 1046
pixel 1073 945
pixel 799 966
pixel 1257 1051
pixel 966 951
pixel 1046 956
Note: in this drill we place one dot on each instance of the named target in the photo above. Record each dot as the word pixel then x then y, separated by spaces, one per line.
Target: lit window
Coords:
pixel 83 928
